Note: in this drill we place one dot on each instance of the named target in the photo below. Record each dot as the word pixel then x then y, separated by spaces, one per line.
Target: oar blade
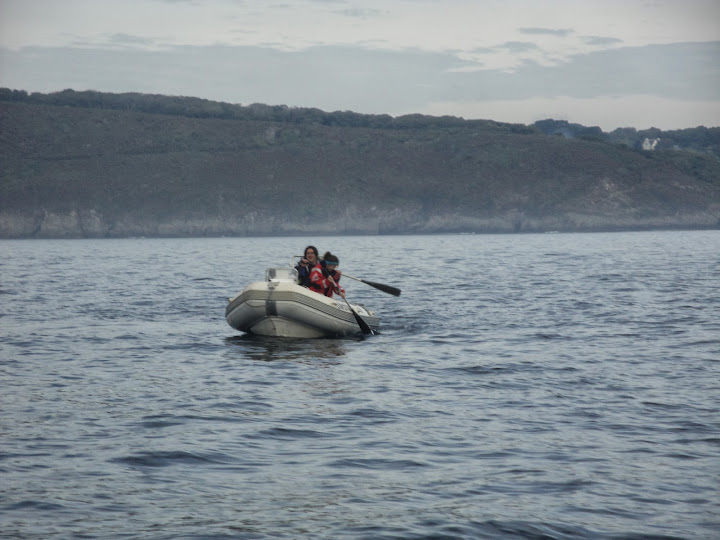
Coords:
pixel 380 286
pixel 362 324
pixel 384 288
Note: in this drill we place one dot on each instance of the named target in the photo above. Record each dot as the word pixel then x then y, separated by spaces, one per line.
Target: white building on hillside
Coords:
pixel 650 144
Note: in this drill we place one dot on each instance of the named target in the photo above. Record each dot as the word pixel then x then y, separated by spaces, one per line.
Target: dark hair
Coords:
pixel 317 255
pixel 330 258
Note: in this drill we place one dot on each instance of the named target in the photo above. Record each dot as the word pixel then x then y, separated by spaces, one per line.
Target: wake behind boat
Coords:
pixel 280 307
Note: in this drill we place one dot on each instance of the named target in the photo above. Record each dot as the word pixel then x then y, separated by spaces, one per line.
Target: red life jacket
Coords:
pixel 319 283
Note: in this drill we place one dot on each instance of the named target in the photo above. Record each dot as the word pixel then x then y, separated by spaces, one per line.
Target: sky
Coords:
pixel 606 63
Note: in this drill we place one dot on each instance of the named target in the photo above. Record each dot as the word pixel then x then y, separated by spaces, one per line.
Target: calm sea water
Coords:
pixel 523 386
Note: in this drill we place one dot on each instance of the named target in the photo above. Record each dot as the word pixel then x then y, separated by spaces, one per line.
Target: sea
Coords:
pixel 527 386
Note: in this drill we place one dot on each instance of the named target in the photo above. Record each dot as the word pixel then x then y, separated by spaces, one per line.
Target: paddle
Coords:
pixel 361 323
pixel 384 288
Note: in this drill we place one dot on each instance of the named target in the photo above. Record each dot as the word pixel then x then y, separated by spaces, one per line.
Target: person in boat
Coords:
pixel 306 264
pixel 325 276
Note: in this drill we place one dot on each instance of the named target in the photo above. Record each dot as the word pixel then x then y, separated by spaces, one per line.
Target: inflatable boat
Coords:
pixel 280 307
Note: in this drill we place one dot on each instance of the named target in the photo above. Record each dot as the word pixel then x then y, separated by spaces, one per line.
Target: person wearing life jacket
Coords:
pixel 305 266
pixel 325 276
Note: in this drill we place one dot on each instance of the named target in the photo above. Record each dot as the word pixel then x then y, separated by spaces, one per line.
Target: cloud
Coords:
pixel 126 39
pixel 558 32
pixel 601 41
pixel 361 13
pixel 516 47
pixel 687 71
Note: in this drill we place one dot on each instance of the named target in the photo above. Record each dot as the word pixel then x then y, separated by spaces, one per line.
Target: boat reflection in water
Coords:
pixel 271 349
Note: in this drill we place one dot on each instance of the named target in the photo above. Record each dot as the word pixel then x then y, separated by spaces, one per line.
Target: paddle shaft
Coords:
pixel 361 323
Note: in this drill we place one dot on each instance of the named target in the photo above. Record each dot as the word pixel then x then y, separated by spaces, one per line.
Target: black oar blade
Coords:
pixel 361 323
pixel 384 288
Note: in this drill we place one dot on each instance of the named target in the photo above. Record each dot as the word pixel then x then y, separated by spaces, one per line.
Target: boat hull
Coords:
pixel 285 309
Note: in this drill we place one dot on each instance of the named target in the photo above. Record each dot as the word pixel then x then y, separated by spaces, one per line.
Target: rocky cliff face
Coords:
pixel 91 224
pixel 74 172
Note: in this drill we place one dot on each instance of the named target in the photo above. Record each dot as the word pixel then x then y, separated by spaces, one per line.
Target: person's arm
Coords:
pixel 338 288
pixel 335 285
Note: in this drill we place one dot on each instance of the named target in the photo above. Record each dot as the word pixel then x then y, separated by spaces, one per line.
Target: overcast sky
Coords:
pixel 609 63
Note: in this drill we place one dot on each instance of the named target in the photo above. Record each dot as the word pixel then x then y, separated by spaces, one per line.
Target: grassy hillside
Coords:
pixel 88 171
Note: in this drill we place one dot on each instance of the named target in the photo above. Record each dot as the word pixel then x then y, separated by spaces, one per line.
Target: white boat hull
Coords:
pixel 279 307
